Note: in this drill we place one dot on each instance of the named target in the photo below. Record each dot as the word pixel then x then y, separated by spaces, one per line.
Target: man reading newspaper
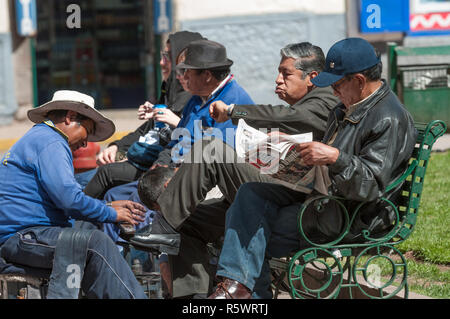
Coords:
pixel 368 143
pixel 275 154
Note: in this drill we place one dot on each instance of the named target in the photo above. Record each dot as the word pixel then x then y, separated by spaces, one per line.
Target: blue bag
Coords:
pixel 142 155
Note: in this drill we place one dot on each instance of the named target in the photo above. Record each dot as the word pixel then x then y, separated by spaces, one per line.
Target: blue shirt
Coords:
pixel 196 121
pixel 38 187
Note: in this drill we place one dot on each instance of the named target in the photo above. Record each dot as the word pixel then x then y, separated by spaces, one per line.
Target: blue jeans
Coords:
pixel 106 274
pixel 85 177
pixel 260 224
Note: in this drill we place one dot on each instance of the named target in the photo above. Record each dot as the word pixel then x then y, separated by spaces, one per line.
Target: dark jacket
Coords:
pixel 375 143
pixel 309 114
pixel 172 93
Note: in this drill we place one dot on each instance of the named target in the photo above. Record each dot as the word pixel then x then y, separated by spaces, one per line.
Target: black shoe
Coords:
pixel 161 237
pixel 126 231
pixel 144 231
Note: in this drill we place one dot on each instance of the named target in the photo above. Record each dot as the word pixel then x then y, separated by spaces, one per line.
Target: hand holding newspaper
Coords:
pixel 276 155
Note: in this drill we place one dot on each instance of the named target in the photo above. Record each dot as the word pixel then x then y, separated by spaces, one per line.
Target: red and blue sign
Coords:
pixel 415 17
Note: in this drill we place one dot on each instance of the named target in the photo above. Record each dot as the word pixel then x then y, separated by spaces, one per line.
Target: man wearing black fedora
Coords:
pixel 39 199
pixel 207 72
pixel 206 69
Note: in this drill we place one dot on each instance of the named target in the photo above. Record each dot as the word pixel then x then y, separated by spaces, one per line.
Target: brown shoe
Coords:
pixel 231 289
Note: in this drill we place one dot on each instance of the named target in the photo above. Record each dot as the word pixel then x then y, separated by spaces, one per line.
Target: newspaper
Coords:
pixel 277 156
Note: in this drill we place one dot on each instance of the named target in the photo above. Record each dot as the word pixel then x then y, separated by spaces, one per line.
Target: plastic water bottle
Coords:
pixel 159 125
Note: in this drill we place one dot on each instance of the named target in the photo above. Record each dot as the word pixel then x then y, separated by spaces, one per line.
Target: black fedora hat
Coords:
pixel 205 54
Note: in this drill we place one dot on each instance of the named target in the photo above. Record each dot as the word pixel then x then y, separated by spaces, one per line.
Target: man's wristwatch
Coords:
pixel 230 110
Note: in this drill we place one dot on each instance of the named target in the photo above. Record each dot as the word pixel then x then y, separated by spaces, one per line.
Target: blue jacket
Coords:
pixel 197 122
pixel 38 187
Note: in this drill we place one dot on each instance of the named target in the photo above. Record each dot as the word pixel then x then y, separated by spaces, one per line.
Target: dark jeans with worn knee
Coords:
pixel 106 274
pixel 111 175
pixel 261 223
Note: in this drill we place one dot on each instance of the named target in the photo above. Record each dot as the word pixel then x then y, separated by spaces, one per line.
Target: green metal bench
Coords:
pixel 338 270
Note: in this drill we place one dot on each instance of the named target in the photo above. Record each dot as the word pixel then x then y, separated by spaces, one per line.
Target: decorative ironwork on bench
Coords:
pixel 328 263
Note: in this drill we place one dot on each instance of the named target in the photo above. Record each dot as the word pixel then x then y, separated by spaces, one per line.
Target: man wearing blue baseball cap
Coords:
pixel 368 141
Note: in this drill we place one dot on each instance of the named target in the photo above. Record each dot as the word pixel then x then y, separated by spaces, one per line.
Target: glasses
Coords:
pixel 181 72
pixel 338 84
pixel 165 56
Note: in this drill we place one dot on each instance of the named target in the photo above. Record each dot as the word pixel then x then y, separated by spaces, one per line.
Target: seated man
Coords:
pixel 39 196
pixel 369 139
pixel 183 205
pixel 206 70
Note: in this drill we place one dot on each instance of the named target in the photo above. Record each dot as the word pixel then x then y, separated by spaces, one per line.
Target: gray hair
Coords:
pixel 307 57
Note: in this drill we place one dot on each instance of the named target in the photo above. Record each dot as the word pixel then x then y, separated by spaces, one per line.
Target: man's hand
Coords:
pixel 145 111
pixel 166 116
pixel 315 153
pixel 219 111
pixel 157 165
pixel 129 212
pixel 108 155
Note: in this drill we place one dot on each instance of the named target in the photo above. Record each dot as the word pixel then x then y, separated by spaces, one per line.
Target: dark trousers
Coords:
pixel 111 175
pixel 194 268
pixel 190 185
pixel 182 205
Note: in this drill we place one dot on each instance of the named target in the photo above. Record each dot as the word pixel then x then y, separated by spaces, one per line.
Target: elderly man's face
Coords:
pixel 290 85
pixel 348 90
pixel 197 82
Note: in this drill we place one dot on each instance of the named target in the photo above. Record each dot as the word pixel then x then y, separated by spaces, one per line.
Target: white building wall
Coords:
pixel 203 9
pixel 4 16
pixel 254 31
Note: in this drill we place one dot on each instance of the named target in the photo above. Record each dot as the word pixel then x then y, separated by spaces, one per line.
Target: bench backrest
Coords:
pixel 408 204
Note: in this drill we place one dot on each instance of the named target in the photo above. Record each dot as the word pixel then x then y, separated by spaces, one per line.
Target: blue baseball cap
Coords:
pixel 345 57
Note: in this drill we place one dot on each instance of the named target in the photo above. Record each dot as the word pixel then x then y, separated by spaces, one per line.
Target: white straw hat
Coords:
pixel 80 103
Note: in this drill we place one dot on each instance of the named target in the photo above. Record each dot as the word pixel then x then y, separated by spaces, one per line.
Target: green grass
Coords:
pixel 423 278
pixel 430 240
pixel 429 270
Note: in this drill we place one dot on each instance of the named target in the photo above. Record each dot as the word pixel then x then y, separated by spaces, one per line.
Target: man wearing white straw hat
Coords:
pixel 39 197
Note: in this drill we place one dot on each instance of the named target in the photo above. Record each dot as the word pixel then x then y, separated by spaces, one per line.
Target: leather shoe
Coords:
pixel 231 289
pixel 159 237
pixel 126 231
